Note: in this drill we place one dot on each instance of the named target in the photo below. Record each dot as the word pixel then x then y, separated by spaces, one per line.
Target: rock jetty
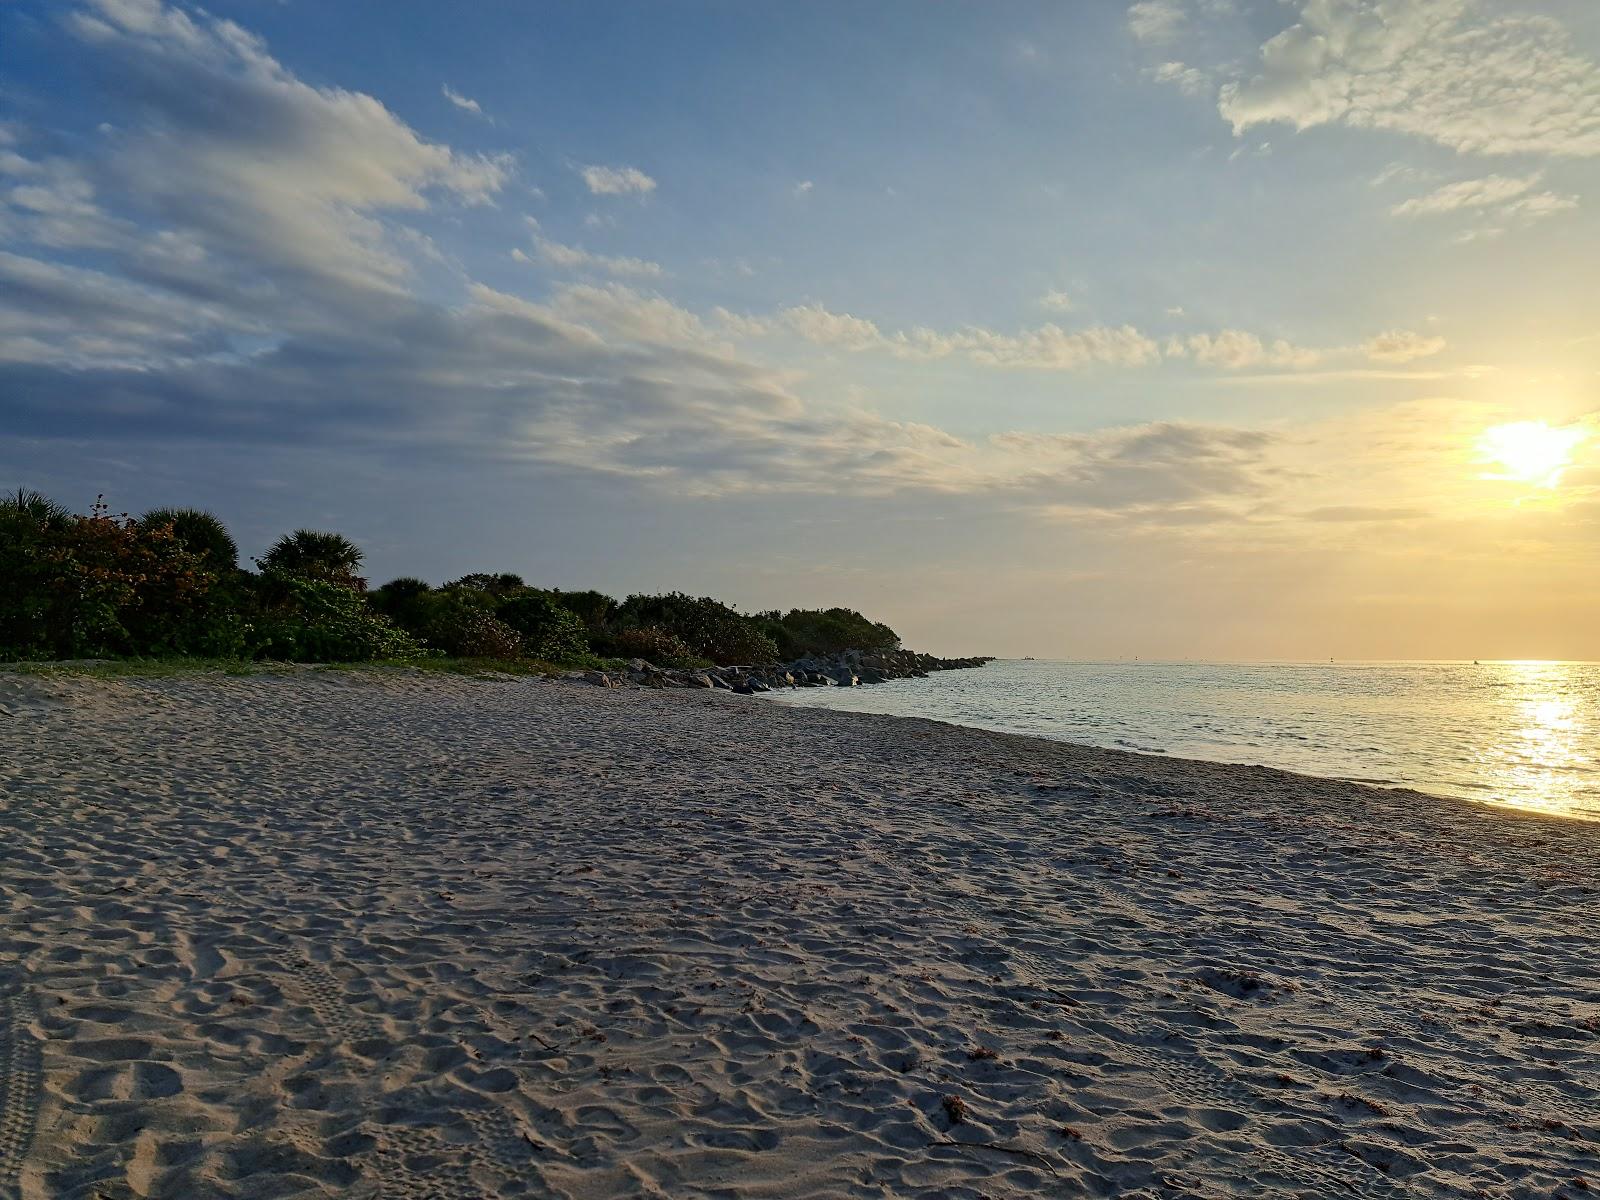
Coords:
pixel 849 668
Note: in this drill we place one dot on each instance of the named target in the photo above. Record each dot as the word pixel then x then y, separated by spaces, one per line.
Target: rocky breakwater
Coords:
pixel 849 668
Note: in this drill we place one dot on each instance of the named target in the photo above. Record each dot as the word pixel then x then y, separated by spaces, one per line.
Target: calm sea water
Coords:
pixel 1525 734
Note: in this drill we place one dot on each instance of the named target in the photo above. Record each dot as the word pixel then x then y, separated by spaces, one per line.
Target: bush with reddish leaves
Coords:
pixel 103 585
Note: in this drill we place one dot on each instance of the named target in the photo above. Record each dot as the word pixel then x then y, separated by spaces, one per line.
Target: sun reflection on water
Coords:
pixel 1548 743
pixel 1521 735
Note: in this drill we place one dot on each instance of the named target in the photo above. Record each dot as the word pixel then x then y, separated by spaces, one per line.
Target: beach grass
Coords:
pixel 164 668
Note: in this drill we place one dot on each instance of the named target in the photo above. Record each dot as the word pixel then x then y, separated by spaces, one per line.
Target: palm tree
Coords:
pixel 199 532
pixel 315 555
pixel 34 507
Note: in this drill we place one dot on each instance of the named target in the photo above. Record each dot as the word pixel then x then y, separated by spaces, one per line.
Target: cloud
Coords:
pixel 1052 348
pixel 1392 172
pixel 604 380
pixel 1156 20
pixel 803 188
pixel 1538 206
pixel 1362 514
pixel 80 318
pixel 817 324
pixel 577 258
pixel 219 305
pixel 1047 347
pixel 1161 468
pixel 55 204
pixel 1491 191
pixel 226 144
pixel 1457 72
pixel 462 102
pixel 1498 200
pixel 1057 300
pixel 1191 81
pixel 617 181
pixel 1400 345
pixel 1237 350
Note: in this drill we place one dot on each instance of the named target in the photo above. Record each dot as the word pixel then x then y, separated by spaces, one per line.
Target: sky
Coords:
pixel 1246 329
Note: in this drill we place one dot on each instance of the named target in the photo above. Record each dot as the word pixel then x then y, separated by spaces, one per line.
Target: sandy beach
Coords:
pixel 409 935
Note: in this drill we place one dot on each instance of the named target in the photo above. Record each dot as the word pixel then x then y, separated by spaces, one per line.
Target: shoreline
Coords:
pixel 511 936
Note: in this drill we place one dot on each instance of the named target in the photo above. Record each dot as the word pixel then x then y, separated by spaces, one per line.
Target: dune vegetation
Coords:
pixel 169 585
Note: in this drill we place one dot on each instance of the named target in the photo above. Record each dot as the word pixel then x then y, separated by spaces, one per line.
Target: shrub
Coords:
pixel 30 523
pixel 401 600
pixel 498 586
pixel 311 554
pixel 462 624
pixel 317 620
pixel 803 631
pixel 198 532
pixel 654 645
pixel 708 627
pixel 548 630
pixel 100 586
pixel 594 609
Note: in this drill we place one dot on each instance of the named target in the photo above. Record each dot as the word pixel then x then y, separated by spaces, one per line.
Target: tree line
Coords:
pixel 168 583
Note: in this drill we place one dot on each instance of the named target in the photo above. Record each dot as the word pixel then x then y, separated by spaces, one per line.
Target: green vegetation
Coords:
pixel 801 632
pixel 146 592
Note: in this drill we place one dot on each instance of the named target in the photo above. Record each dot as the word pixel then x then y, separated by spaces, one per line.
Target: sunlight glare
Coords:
pixel 1533 452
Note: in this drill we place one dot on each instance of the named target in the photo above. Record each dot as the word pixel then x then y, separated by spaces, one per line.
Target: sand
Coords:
pixel 405 935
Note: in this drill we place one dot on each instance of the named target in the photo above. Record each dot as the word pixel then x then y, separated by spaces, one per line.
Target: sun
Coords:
pixel 1533 452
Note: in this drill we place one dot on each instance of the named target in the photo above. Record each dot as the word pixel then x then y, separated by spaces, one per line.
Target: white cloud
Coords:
pixel 1156 20
pixel 1458 72
pixel 1047 348
pixel 1393 171
pixel 617 181
pixel 803 187
pixel 1056 300
pixel 222 140
pixel 817 324
pixel 462 102
pixel 577 258
pixel 1539 206
pixel 1490 191
pixel 1051 348
pixel 86 319
pixel 1191 81
pixel 1500 200
pixel 230 306
pixel 1237 350
pixel 56 204
pixel 1401 345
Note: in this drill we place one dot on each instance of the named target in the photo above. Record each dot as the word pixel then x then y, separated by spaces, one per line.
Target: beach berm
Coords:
pixel 400 934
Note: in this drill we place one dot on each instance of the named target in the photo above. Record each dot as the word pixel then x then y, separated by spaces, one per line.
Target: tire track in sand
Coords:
pixel 20 1072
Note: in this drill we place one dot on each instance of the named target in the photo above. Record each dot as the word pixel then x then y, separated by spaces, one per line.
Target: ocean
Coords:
pixel 1523 734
